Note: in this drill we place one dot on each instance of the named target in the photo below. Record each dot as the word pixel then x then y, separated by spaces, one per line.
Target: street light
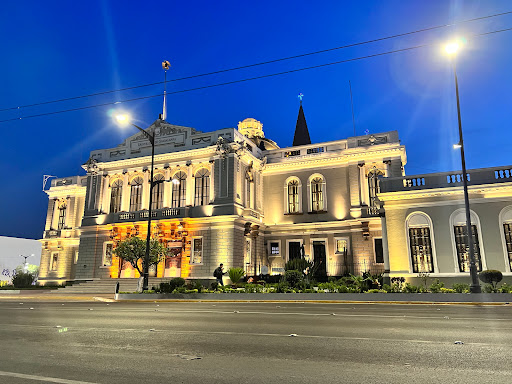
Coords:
pixel 125 119
pixel 25 265
pixel 451 49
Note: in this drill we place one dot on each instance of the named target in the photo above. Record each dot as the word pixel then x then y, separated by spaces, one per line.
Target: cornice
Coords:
pixel 66 191
pixel 313 161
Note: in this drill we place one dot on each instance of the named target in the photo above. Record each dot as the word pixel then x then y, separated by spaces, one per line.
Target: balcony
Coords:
pixel 52 233
pixel 164 213
pixel 479 176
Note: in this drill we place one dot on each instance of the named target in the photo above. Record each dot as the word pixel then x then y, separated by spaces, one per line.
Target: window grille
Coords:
pixel 291 153
pixel 62 217
pixel 317 194
pixel 136 194
pixel 293 197
pixel 179 188
pixel 373 190
pixel 116 194
pixel 507 228
pixel 315 150
pixel 421 250
pixel 462 246
pixel 158 192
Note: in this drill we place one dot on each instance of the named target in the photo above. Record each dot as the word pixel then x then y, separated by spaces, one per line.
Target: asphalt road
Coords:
pixel 109 343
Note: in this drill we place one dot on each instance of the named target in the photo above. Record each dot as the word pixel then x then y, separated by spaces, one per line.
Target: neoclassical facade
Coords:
pixel 426 220
pixel 228 196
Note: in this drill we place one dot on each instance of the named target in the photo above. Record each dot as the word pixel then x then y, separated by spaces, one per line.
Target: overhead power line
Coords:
pixel 247 79
pixel 260 63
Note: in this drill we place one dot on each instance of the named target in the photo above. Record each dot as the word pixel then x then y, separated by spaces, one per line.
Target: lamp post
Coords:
pixel 123 120
pixel 451 49
pixel 25 265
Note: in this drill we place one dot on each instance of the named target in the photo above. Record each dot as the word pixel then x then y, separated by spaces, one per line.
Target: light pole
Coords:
pixel 451 49
pixel 25 265
pixel 123 120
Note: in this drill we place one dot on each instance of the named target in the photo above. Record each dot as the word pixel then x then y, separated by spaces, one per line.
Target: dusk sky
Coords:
pixel 60 49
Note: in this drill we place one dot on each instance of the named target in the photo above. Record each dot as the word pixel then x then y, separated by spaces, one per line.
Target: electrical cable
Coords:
pixel 246 79
pixel 260 63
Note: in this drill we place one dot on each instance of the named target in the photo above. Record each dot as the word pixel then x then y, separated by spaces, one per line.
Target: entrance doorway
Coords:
pixel 320 258
pixel 173 260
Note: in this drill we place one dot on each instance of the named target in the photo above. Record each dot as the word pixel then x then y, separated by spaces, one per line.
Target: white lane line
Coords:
pixel 43 378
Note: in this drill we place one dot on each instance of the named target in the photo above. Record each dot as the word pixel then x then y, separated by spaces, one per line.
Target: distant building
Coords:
pixel 426 223
pixel 228 196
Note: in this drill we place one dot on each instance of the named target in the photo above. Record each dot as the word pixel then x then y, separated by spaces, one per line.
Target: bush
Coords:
pixel 492 277
pixel 436 286
pixel 172 285
pixel 293 277
pixel 214 285
pixel 387 288
pixel 460 288
pixel 235 274
pixel 253 288
pixel 23 280
pixel 298 265
pixel 505 288
pixel 408 288
pixel 446 290
pixel 376 291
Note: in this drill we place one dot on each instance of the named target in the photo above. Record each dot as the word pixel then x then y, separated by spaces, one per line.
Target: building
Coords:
pixel 425 215
pixel 231 196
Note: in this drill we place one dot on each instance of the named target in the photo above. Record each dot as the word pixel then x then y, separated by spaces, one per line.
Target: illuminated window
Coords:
pixel 197 251
pixel 54 261
pixel 136 194
pixel 341 246
pixel 461 244
pixel 317 194
pixel 421 250
pixel 293 196
pixel 274 248
pixel 373 190
pixel 158 192
pixel 62 216
pixel 116 192
pixel 108 247
pixel 202 179
pixel 248 249
pixel 179 188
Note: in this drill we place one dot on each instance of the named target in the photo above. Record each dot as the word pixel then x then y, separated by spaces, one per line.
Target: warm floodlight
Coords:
pixel 122 118
pixel 175 181
pixel 457 146
pixel 453 47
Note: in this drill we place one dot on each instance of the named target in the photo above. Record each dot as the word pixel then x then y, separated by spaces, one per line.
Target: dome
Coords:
pixel 251 128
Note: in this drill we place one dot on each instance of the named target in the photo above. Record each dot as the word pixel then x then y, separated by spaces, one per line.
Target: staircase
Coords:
pixel 106 286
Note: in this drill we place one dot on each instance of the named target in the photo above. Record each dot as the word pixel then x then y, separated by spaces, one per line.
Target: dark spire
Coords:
pixel 301 136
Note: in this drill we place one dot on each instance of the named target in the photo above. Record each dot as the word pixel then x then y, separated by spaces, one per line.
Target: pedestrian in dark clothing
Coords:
pixel 218 273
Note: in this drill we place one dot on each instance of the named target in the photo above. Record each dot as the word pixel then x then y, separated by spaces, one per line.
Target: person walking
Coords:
pixel 218 273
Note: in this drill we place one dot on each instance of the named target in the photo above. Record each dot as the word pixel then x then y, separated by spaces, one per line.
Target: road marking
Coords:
pixel 103 299
pixel 43 378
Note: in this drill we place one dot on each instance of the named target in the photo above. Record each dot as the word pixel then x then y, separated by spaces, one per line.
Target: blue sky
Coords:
pixel 58 49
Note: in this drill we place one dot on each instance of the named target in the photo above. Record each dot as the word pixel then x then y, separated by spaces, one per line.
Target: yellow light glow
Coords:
pixel 453 47
pixel 122 118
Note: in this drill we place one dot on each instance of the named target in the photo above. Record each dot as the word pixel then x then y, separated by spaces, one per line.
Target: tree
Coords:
pixel 133 250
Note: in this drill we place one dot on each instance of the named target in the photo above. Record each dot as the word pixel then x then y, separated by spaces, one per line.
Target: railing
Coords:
pixel 51 233
pixel 446 179
pixel 143 215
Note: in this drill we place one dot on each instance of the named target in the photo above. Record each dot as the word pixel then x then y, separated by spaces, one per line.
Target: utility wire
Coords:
pixel 261 63
pixel 247 79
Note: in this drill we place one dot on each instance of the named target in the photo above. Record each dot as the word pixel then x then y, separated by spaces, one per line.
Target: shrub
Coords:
pixel 235 274
pixel 460 288
pixel 298 264
pixel 198 286
pixel 23 280
pixel 408 288
pixel 376 291
pixel 293 277
pixel 505 288
pixel 253 288
pixel 282 287
pixel 172 285
pixel 436 286
pixel 214 285
pixel 387 288
pixel 446 290
pixel 492 277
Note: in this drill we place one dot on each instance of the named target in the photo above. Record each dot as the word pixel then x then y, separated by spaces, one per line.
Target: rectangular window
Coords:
pixel 341 246
pixel 461 244
pixel 197 251
pixel 421 250
pixel 54 261
pixel 62 217
pixel 248 249
pixel 379 250
pixel 274 248
pixel 315 150
pixel 507 227
pixel 107 254
pixel 292 153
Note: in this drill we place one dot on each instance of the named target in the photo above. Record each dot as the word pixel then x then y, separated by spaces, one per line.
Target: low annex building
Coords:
pixel 228 196
pixel 426 223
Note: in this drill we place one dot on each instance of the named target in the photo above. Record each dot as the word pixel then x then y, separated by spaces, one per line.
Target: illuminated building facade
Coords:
pixel 426 217
pixel 229 196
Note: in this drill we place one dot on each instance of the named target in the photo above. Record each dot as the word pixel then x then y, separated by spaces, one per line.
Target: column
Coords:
pixel 105 206
pixel 145 190
pixel 386 279
pixel 191 185
pixel 363 183
pixel 167 188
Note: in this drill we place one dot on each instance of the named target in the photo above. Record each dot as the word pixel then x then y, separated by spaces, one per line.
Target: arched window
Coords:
pixel 179 189
pixel 461 239
pixel 62 215
pixel 373 190
pixel 202 187
pixel 506 225
pixel 116 193
pixel 293 196
pixel 317 194
pixel 136 194
pixel 419 230
pixel 158 192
